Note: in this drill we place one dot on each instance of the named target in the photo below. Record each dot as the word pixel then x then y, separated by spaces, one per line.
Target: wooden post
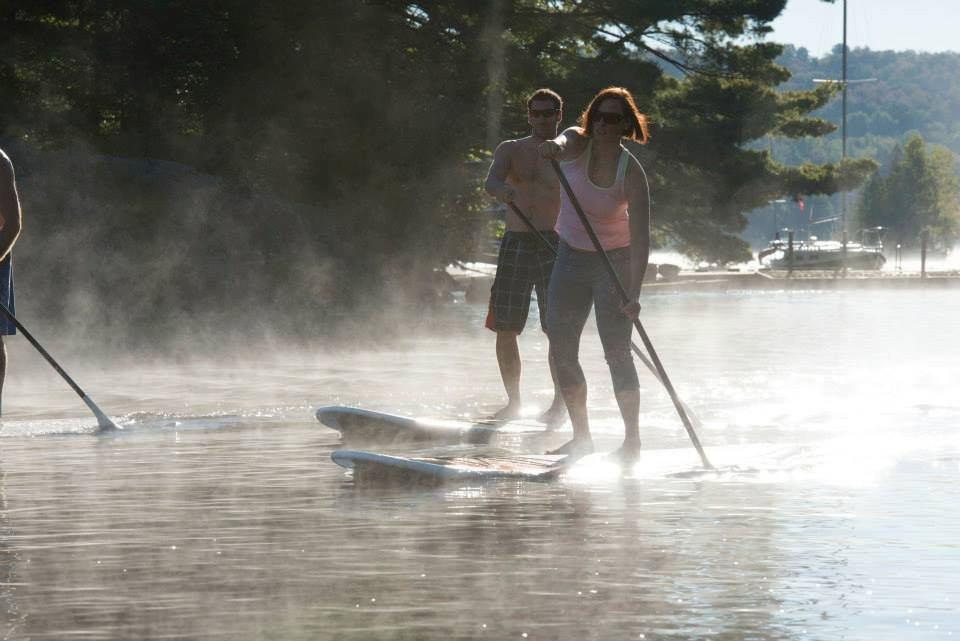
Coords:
pixel 924 236
pixel 790 253
pixel 843 254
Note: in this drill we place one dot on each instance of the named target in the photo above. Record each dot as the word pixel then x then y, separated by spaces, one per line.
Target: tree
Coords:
pixel 372 106
pixel 378 113
pixel 920 192
pixel 708 82
pixel 913 90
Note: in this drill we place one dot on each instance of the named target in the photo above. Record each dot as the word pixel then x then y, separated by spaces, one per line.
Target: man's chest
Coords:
pixel 529 167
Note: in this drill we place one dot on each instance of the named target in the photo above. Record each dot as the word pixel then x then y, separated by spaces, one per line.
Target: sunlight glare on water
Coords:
pixel 217 513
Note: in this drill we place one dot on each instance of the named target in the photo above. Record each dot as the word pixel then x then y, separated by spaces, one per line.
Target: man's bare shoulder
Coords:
pixel 509 146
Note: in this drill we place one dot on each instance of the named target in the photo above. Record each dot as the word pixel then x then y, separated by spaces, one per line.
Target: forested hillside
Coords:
pixel 906 92
pixel 369 124
pixel 910 92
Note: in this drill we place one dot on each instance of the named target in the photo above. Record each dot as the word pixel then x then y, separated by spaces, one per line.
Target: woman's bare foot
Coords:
pixel 628 453
pixel 555 416
pixel 510 411
pixel 576 448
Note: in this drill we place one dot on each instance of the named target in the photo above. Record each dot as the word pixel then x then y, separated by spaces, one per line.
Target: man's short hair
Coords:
pixel 546 94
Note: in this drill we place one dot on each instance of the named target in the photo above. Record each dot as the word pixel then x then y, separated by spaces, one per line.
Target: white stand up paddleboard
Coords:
pixel 736 461
pixel 370 466
pixel 357 424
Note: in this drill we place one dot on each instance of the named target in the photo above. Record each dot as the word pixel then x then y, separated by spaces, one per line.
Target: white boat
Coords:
pixel 813 253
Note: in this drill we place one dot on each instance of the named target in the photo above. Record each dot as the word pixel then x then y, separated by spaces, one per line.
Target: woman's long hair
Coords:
pixel 638 122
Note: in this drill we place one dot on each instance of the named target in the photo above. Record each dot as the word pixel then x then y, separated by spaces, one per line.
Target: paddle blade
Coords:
pixel 103 421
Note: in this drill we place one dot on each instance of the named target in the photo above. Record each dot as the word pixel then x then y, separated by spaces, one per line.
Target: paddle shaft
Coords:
pixel 636 350
pixel 529 223
pixel 636 322
pixel 102 420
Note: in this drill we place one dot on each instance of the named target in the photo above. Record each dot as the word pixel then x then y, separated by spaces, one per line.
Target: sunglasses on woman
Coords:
pixel 608 117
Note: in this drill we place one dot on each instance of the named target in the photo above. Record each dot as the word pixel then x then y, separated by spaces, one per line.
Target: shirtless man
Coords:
pixel 519 175
pixel 9 232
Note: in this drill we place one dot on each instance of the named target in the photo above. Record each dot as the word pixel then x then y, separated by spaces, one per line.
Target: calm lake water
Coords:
pixel 217 512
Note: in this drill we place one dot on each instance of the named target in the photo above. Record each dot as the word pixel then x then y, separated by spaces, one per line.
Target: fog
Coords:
pixel 158 259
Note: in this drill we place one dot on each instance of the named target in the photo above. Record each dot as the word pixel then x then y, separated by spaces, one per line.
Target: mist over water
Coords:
pixel 217 512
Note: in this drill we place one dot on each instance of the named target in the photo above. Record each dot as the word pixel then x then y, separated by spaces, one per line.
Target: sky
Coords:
pixel 921 25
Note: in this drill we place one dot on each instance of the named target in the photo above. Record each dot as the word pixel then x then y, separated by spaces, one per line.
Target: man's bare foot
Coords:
pixel 577 448
pixel 555 416
pixel 510 411
pixel 628 453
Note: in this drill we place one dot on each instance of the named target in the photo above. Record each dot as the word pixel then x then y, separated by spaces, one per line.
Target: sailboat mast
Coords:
pixel 844 80
pixel 843 196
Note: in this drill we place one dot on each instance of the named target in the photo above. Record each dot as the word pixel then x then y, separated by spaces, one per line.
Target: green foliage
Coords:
pixel 377 110
pixel 707 169
pixel 908 91
pixel 920 192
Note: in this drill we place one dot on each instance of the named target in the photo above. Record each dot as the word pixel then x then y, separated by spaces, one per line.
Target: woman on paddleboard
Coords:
pixel 612 189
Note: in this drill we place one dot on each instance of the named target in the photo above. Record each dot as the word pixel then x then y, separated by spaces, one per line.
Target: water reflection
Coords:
pixel 218 514
pixel 11 616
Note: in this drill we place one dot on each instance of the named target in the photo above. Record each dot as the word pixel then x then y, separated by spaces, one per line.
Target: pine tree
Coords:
pixel 919 193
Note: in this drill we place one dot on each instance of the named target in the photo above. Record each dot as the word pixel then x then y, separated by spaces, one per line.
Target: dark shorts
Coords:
pixel 524 265
pixel 6 295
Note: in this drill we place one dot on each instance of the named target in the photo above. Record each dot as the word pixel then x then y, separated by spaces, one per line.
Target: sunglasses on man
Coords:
pixel 542 113
pixel 608 117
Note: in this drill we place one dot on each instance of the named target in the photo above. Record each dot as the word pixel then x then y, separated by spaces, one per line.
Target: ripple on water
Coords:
pixel 217 513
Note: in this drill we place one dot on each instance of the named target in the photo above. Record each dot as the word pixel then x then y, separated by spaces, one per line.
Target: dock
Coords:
pixel 714 281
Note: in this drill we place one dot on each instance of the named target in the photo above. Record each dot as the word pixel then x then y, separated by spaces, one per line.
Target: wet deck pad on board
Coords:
pixel 360 425
pixel 368 466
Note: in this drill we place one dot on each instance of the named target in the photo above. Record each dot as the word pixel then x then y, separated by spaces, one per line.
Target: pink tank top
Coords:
pixel 605 207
